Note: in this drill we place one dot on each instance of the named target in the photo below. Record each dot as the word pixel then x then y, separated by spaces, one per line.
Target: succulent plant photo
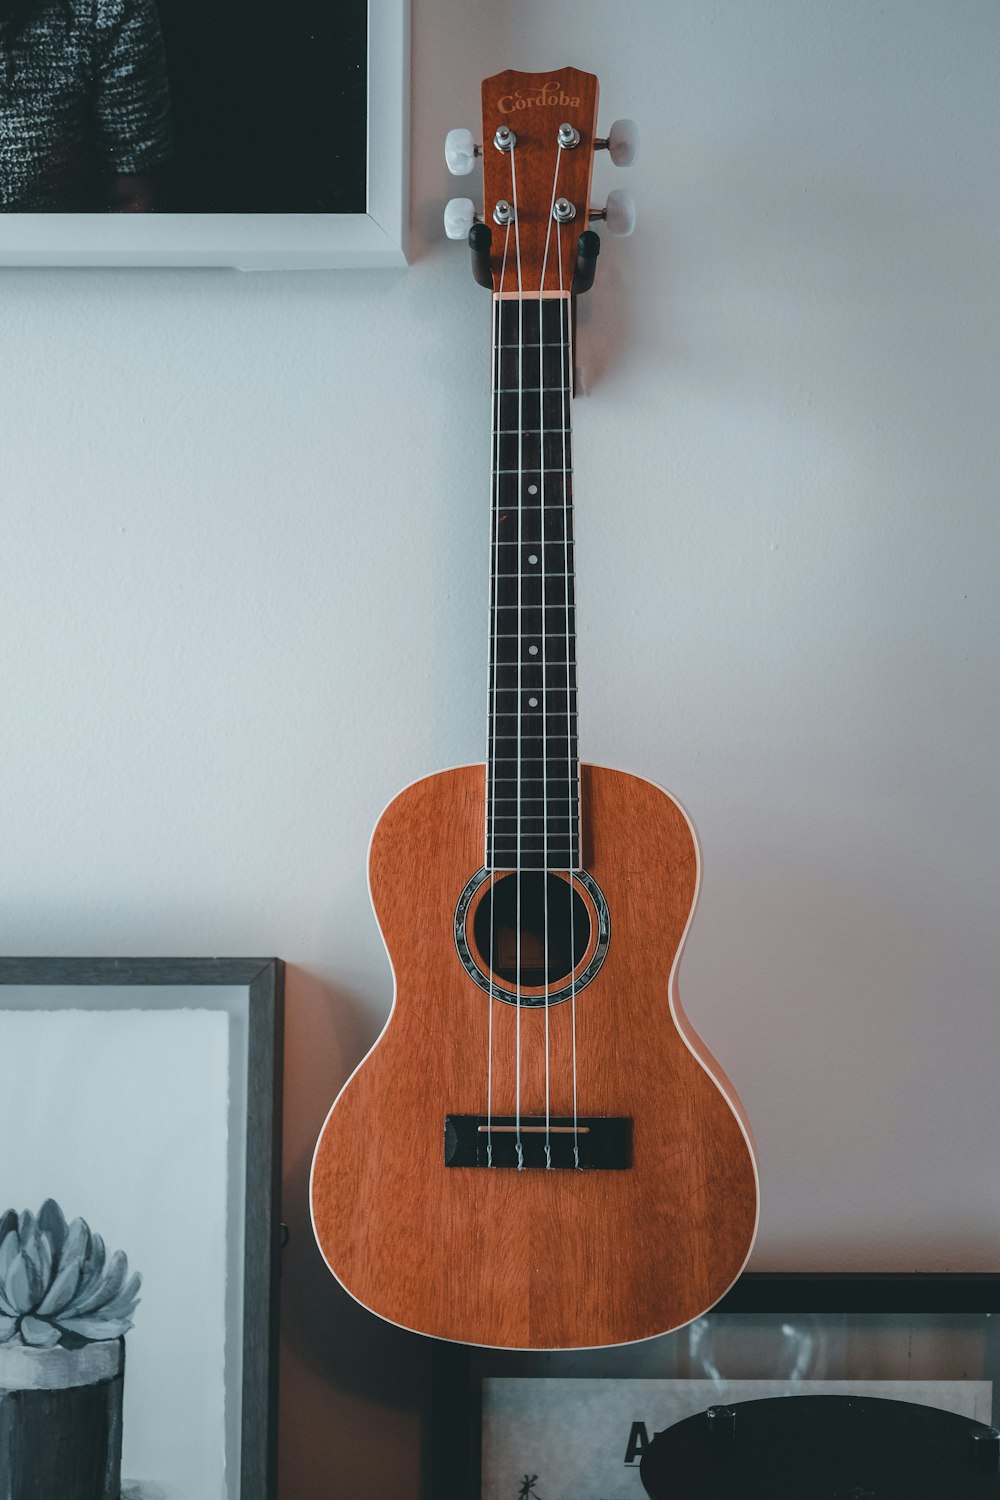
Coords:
pixel 57 1284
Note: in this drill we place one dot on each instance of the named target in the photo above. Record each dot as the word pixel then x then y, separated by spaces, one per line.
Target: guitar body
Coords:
pixel 536 1258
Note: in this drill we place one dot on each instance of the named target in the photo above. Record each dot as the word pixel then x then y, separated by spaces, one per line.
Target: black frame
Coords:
pixel 456 1408
pixel 264 982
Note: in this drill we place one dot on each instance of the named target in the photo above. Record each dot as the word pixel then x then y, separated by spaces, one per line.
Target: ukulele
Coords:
pixel 538 1152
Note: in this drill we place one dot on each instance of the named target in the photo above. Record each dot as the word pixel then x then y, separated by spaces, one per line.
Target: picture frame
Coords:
pixel 866 1333
pixel 147 1092
pixel 373 239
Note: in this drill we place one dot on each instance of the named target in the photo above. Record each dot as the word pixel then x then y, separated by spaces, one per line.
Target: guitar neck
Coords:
pixel 533 803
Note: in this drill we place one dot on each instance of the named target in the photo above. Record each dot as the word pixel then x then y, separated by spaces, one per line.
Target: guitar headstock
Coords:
pixel 538 157
pixel 538 143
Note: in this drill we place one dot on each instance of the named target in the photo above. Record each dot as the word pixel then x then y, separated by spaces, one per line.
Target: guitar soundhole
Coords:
pixel 537 946
pixel 549 917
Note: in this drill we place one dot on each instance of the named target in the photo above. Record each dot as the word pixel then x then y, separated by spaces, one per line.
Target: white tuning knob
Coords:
pixel 619 212
pixel 459 152
pixel 459 217
pixel 623 143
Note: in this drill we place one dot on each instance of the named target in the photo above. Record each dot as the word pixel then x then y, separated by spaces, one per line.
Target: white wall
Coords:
pixel 244 532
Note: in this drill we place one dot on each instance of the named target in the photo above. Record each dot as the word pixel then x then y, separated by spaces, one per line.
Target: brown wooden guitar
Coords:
pixel 538 1152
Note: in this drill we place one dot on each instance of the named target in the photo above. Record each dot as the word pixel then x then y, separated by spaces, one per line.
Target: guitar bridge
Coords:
pixel 591 1143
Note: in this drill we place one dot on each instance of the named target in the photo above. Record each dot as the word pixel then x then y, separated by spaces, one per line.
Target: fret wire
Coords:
pixel 532 765
pixel 522 800
pixel 558 825
pixel 537 840
pixel 565 761
pixel 506 794
pixel 554 691
pixel 532 572
pixel 554 677
pixel 511 760
pixel 563 858
pixel 557 849
pixel 535 818
pixel 500 715
pixel 532 824
pixel 570 823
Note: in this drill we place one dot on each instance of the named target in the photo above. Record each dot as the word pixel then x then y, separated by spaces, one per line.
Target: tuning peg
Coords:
pixel 459 217
pixel 621 143
pixel 618 212
pixel 460 152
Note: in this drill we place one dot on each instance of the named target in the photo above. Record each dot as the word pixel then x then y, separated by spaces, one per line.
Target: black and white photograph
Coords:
pixel 162 106
pixel 133 1172
pixel 585 1439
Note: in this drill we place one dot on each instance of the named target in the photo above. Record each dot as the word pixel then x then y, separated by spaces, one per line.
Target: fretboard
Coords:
pixel 533 804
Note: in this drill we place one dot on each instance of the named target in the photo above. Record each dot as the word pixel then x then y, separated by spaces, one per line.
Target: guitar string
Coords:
pixel 544 632
pixel 563 350
pixel 519 1148
pixel 491 819
pixel 566 367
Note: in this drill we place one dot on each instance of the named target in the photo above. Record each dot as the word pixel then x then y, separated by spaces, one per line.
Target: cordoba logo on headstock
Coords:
pixel 549 93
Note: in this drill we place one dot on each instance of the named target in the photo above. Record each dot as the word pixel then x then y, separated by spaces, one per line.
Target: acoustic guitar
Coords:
pixel 538 1152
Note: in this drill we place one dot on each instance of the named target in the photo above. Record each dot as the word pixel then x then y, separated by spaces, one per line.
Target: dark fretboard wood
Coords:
pixel 533 804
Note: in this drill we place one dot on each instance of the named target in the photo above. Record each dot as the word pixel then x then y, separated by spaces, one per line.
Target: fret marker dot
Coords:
pixel 532 489
pixel 532 650
pixel 532 558
pixel 532 702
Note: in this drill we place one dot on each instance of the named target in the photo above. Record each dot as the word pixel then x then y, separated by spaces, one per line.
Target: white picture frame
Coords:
pixel 255 242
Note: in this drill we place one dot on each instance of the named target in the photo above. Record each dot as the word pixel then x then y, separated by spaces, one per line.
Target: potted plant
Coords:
pixel 64 1309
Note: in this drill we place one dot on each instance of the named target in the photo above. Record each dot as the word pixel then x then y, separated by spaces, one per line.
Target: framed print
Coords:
pixel 153 132
pixel 139 1227
pixel 579 1439
pixel 577 1424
